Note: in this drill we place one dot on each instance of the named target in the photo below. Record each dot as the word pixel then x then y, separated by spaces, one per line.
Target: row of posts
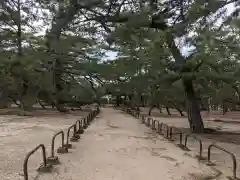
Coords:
pixel 77 129
pixel 169 131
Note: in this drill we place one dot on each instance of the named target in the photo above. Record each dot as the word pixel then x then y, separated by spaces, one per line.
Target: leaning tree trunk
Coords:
pixel 194 115
pixel 177 108
pixel 180 111
pixel 14 101
pixel 41 104
pixel 150 110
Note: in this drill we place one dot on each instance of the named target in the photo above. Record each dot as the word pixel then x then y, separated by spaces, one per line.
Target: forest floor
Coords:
pixel 116 146
pixel 226 136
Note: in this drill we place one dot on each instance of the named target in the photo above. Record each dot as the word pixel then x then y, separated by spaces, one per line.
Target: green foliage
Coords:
pixel 66 64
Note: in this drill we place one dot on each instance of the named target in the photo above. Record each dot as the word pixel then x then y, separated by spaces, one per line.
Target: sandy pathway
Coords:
pixel 117 147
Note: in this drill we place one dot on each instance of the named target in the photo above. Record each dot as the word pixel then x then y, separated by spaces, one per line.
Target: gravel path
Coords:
pixel 117 147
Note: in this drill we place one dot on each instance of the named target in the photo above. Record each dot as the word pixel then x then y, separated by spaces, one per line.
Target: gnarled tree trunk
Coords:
pixel 177 108
pixel 193 110
pixel 150 110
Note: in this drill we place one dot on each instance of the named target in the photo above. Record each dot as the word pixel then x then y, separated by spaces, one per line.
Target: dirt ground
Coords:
pixel 20 134
pixel 227 135
pixel 116 146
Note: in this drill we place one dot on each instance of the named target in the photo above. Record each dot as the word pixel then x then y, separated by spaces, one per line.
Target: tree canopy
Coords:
pixel 181 54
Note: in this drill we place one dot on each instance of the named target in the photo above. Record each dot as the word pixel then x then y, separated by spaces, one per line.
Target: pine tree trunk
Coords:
pixel 4 100
pixel 150 110
pixel 20 54
pixel 224 108
pixel 160 110
pixel 118 100
pixel 125 100
pixel 58 86
pixel 194 115
pixel 61 20
pixel 159 107
pixel 24 105
pixel 14 100
pixel 180 112
pixel 142 101
pixel 168 111
pixel 19 29
pixel 209 105
pixel 137 108
pixel 130 97
pixel 177 108
pixel 41 104
pixel 95 91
